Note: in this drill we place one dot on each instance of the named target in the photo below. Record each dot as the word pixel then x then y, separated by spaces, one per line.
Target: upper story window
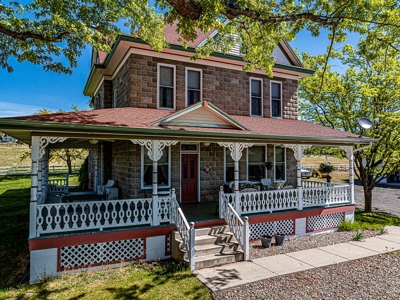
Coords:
pixel 255 163
pixel 280 164
pixel 166 86
pixel 256 99
pixel 276 99
pixel 193 86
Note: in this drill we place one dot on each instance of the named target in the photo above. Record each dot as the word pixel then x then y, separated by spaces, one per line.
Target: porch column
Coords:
pixel 350 156
pixel 40 178
pixel 154 151
pixel 298 155
pixel 236 154
pixel 34 186
pixel 96 171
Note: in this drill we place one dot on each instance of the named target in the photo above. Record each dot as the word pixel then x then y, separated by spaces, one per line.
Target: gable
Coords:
pixel 202 114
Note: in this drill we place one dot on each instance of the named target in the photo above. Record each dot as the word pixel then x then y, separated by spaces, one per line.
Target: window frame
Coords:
pixel 142 164
pixel 187 87
pixel 270 97
pixel 225 164
pixel 159 65
pixel 261 97
pixel 284 164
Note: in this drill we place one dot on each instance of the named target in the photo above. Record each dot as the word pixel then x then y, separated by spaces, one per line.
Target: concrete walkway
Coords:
pixel 232 275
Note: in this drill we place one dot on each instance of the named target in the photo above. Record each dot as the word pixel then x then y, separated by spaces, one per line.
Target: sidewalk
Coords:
pixel 232 275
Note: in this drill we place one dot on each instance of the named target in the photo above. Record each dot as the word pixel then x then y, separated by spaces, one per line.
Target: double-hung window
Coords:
pixel 256 162
pixel 193 86
pixel 280 164
pixel 229 166
pixel 256 99
pixel 276 99
pixel 163 169
pixel 166 86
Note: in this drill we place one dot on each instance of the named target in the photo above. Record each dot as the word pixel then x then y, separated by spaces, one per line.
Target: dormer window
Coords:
pixel 166 86
pixel 256 98
pixel 193 86
pixel 276 99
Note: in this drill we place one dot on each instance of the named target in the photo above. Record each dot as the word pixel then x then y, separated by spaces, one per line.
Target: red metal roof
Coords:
pixel 141 118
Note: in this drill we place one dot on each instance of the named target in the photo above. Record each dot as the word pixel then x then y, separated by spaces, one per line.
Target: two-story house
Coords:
pixel 180 140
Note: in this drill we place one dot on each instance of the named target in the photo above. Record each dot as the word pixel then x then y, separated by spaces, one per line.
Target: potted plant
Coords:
pixel 279 238
pixel 266 241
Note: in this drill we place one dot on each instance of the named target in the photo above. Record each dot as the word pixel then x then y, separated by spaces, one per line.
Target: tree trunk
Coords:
pixel 68 160
pixel 368 200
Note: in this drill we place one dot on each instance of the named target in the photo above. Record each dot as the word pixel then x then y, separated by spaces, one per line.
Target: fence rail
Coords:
pixel 26 170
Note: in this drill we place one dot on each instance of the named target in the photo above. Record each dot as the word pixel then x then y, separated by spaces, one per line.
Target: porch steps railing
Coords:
pixel 239 228
pixel 186 231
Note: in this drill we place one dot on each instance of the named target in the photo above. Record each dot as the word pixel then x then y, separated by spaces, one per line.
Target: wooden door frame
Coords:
pixel 198 167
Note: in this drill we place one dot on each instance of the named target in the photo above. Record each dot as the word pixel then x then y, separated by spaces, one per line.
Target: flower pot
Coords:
pixel 279 238
pixel 266 241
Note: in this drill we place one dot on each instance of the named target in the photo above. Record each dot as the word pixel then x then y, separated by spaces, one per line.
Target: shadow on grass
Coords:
pixel 45 292
pixel 377 219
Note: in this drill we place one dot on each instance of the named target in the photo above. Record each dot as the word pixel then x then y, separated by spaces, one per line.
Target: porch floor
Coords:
pixel 196 212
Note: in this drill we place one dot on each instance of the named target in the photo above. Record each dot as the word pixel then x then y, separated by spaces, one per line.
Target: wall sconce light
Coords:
pixel 93 142
pixel 206 144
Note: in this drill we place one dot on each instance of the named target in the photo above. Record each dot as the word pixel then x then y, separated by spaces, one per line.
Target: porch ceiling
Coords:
pixel 135 123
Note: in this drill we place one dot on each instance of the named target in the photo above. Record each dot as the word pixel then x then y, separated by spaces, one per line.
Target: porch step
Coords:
pixel 214 246
pixel 212 260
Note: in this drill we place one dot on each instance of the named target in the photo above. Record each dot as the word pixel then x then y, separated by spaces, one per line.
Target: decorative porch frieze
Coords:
pixel 298 150
pixel 154 147
pixel 236 149
pixel 348 150
pixel 44 141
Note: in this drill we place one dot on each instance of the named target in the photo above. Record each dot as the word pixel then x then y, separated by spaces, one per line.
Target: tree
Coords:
pixel 44 30
pixel 369 87
pixel 68 155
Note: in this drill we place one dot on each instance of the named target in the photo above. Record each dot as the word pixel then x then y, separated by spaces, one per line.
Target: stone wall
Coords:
pixel 136 84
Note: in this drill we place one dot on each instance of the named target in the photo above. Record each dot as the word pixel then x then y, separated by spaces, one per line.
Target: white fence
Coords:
pixel 26 170
pixel 58 185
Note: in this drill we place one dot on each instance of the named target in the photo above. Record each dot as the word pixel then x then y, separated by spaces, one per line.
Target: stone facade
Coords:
pixel 136 85
pixel 126 169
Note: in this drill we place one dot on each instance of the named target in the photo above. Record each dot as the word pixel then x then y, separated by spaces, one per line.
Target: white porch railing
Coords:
pixel 268 201
pixel 61 217
pixel 58 185
pixel 312 194
pixel 326 196
pixel 239 228
pixel 319 184
pixel 186 232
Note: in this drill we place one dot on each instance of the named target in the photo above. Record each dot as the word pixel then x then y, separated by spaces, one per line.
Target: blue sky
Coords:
pixel 29 88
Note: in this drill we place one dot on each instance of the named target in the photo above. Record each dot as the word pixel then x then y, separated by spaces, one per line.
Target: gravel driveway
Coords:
pixel 385 199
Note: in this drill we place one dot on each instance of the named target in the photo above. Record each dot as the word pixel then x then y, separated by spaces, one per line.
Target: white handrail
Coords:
pixel 185 230
pixel 239 228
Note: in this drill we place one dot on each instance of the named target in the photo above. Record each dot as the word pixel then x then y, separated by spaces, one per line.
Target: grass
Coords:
pixel 367 221
pixel 159 280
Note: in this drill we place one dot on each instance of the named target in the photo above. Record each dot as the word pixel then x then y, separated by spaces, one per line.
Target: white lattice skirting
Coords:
pixel 93 254
pixel 324 221
pixel 270 228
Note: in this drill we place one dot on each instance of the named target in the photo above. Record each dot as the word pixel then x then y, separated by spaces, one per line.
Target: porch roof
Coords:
pixel 136 123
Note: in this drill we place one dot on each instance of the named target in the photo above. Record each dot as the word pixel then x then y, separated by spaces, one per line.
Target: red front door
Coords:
pixel 189 178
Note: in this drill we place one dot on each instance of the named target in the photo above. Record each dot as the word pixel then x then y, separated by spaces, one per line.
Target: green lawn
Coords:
pixel 159 280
